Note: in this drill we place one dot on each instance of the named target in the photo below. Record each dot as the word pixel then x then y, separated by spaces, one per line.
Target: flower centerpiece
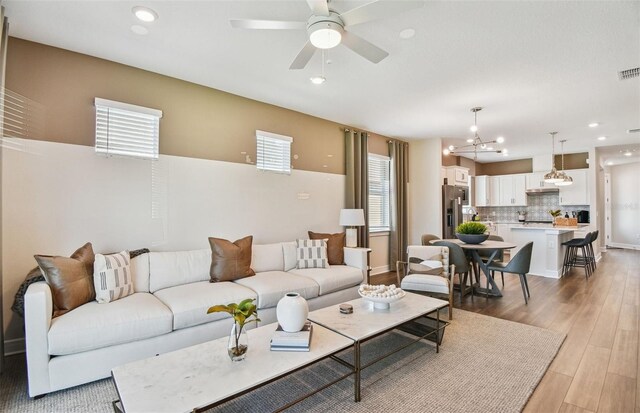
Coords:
pixel 472 232
pixel 241 313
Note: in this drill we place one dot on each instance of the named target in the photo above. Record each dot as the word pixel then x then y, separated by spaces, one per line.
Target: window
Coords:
pixel 379 192
pixel 273 152
pixel 127 130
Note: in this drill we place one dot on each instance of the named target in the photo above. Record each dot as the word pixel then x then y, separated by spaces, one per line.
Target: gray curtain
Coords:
pixel 3 59
pixel 399 234
pixel 357 187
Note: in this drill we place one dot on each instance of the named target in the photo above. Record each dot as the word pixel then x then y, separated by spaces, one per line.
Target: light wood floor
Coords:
pixel 596 369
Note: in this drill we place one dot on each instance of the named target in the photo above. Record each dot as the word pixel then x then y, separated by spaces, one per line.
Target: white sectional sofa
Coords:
pixel 168 311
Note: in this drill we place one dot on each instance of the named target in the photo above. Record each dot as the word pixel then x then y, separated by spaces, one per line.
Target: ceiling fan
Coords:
pixel 327 28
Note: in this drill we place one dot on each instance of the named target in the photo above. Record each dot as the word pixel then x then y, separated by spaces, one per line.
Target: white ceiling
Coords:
pixel 534 66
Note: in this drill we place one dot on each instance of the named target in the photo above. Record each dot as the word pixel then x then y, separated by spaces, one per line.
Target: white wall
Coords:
pixel 56 197
pixel 425 190
pixel 625 205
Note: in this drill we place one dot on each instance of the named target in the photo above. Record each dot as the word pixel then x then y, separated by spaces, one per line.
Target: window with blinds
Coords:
pixel 127 130
pixel 379 193
pixel 273 152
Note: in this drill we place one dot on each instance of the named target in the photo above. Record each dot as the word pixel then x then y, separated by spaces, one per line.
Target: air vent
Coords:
pixel 636 130
pixel 629 73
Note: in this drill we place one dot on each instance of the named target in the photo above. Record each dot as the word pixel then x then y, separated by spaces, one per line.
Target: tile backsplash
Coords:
pixel 537 209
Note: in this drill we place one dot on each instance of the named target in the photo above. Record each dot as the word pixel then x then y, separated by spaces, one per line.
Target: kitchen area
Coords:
pixel 515 206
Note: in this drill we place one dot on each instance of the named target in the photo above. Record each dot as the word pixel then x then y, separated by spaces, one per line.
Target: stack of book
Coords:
pixel 299 341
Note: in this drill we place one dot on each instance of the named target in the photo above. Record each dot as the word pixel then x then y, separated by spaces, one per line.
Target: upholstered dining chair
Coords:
pixel 429 237
pixel 461 264
pixel 519 264
pixel 427 271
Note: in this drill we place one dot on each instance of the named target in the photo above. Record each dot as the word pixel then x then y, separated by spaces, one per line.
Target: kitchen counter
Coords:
pixel 547 228
pixel 548 253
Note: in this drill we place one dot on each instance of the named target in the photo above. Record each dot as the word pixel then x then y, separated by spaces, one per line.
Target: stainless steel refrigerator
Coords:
pixel 453 197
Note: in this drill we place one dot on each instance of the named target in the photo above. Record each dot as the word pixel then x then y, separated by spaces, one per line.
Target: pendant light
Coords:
pixel 553 176
pixel 566 179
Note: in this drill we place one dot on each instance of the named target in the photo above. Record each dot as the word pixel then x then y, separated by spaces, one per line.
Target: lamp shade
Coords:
pixel 352 217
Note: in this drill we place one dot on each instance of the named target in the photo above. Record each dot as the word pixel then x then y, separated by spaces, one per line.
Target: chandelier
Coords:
pixel 476 144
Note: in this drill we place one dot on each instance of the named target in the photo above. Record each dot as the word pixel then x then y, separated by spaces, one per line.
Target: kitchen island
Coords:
pixel 548 253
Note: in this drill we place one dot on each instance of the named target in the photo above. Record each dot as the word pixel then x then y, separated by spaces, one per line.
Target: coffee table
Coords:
pixel 200 377
pixel 366 323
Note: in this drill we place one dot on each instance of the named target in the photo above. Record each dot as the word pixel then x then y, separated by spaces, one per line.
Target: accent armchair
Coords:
pixel 427 270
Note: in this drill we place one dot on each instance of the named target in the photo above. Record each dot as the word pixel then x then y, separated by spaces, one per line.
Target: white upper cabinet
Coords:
pixel 481 187
pixel 494 191
pixel 535 180
pixel 578 192
pixel 457 175
pixel 512 190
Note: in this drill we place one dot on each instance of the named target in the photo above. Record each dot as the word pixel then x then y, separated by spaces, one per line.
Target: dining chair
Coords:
pixel 519 264
pixel 460 261
pixel 429 237
pixel 427 270
pixel 486 254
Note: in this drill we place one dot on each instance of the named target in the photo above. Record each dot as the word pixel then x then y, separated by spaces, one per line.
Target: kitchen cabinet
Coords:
pixel 481 187
pixel 494 191
pixel 512 190
pixel 578 192
pixel 535 180
pixel 457 175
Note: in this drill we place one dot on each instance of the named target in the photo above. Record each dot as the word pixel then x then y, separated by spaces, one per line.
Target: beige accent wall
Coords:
pixel 573 160
pixel 518 166
pixel 198 121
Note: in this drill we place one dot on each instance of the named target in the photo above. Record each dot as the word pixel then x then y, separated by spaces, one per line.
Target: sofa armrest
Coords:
pixel 38 309
pixel 358 258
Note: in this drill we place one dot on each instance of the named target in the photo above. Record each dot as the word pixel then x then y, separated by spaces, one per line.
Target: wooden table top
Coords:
pixel 486 245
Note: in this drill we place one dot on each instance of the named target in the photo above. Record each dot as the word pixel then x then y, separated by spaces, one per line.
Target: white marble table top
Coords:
pixel 366 321
pixel 485 245
pixel 199 375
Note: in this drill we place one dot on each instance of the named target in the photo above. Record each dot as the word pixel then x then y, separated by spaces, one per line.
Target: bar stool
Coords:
pixel 571 257
pixel 591 252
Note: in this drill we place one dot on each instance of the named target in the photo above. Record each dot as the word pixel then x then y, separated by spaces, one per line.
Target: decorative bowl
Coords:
pixel 382 303
pixel 472 238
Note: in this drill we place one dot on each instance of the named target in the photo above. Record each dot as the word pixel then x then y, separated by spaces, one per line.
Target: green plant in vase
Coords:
pixel 471 232
pixel 242 314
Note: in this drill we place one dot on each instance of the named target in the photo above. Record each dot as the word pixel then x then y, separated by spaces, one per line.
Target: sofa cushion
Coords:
pixel 335 246
pixel 70 279
pixel 112 277
pixel 230 260
pixel 271 286
pixel 189 302
pixel 140 272
pixel 94 325
pixel 425 282
pixel 267 257
pixel 168 269
pixel 335 278
pixel 290 252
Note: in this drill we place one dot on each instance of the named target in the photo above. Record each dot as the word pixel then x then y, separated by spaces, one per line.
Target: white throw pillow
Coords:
pixel 312 253
pixel 112 277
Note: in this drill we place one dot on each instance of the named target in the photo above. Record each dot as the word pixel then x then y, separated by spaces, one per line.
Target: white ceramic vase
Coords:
pixel 292 312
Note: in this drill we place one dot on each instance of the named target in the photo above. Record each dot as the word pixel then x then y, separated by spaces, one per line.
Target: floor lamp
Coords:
pixel 352 218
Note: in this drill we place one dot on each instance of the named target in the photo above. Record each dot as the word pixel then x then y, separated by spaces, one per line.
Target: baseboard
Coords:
pixel 625 246
pixel 380 270
pixel 15 346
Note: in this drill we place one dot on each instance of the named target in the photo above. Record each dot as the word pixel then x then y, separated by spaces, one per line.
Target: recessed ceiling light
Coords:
pixel 602 138
pixel 627 153
pixel 500 139
pixel 609 163
pixel 144 14
pixel 593 124
pixel 469 140
pixel 407 33
pixel 318 80
pixel 141 30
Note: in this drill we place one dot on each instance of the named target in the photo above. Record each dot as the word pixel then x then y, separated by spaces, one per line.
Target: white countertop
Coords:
pixel 547 228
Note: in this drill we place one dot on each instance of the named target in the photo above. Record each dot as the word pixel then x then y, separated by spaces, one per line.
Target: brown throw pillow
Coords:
pixel 230 260
pixel 335 246
pixel 70 279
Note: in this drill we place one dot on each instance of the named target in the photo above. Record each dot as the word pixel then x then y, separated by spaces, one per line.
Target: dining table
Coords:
pixel 488 245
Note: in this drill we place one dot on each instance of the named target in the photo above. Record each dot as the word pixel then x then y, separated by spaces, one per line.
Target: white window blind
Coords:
pixel 379 193
pixel 273 152
pixel 127 130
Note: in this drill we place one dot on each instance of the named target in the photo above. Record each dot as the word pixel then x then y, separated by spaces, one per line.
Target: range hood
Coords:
pixel 543 190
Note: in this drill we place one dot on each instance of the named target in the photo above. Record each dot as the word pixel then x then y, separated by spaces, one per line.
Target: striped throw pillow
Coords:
pixel 312 253
pixel 112 277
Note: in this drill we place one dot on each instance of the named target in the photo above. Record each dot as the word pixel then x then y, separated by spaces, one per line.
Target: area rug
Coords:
pixel 485 365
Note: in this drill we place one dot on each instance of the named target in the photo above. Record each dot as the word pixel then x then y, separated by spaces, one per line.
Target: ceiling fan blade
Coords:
pixel 319 7
pixel 377 10
pixel 267 24
pixel 303 57
pixel 365 49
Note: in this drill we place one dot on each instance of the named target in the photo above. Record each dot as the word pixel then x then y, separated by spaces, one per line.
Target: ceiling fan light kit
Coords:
pixel 325 32
pixel 476 141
